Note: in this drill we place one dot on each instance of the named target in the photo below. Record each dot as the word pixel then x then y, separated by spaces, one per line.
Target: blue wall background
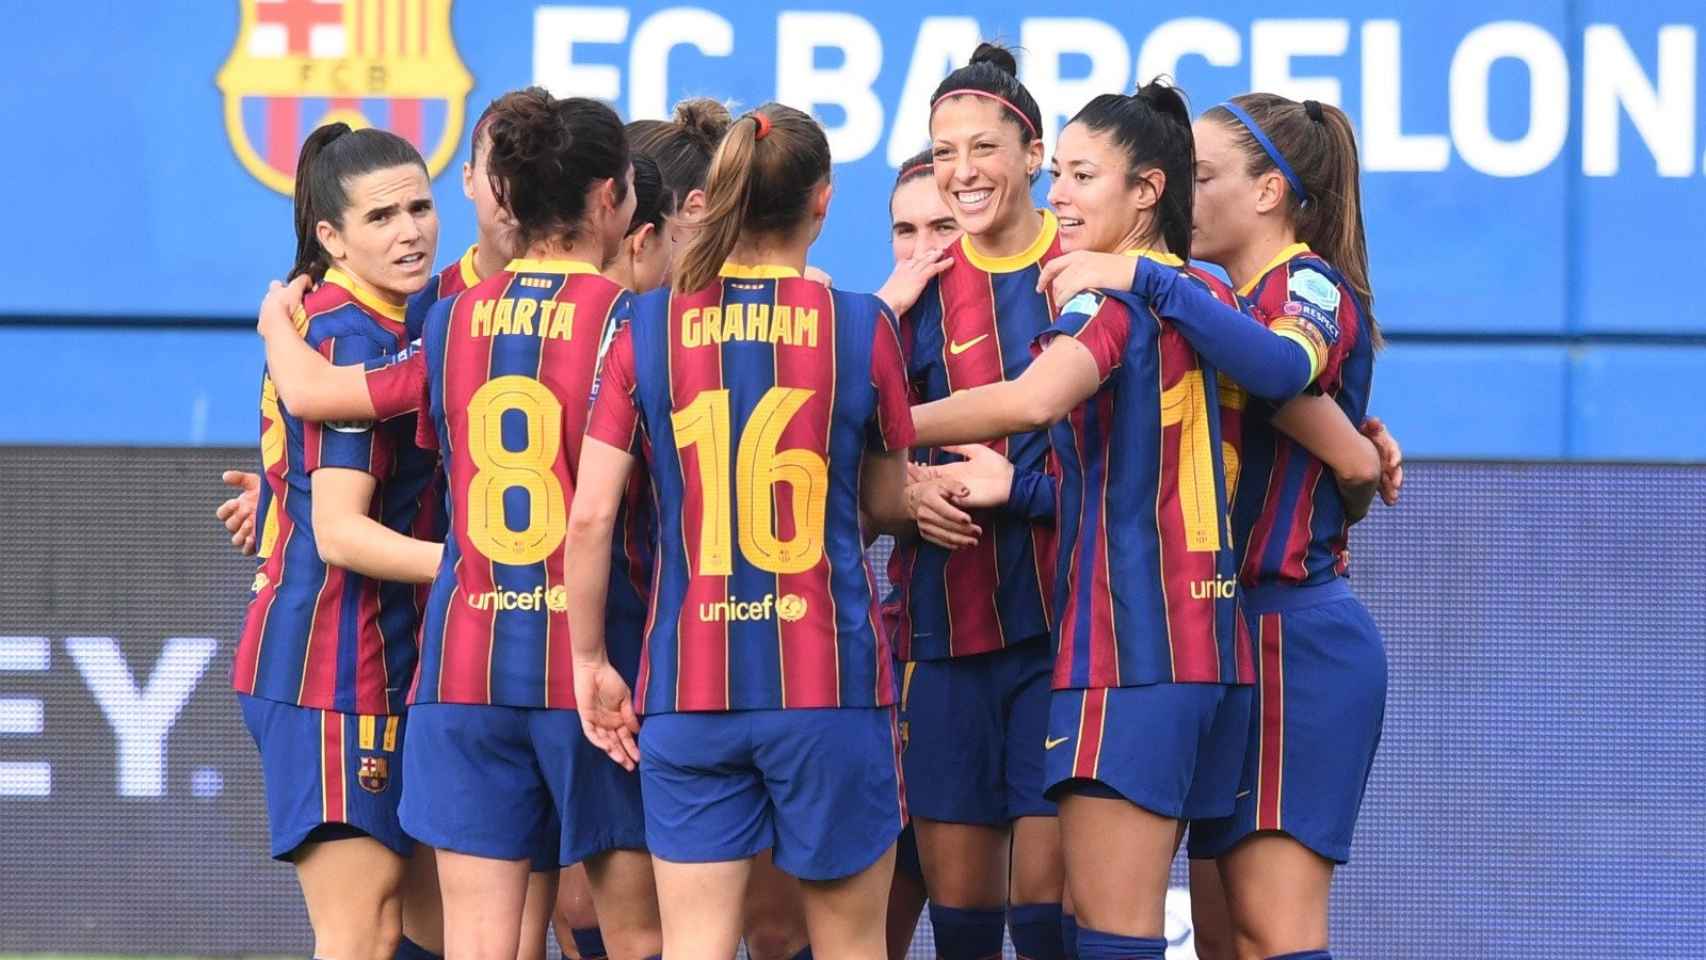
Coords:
pixel 1534 220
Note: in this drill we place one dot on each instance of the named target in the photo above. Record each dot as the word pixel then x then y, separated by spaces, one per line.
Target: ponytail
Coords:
pixel 728 187
pixel 311 258
pixel 1153 128
pixel 1316 146
pixel 762 181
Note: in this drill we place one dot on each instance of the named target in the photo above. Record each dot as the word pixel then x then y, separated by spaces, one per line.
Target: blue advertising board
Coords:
pixel 1534 174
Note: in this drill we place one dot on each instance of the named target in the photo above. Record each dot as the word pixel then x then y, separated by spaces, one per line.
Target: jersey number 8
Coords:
pixel 500 469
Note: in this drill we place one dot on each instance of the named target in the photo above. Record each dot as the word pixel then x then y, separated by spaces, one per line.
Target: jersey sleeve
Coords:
pixel 350 444
pixel 1099 322
pixel 615 415
pixel 397 383
pixel 1033 495
pixel 1267 363
pixel 891 425
pixel 1309 316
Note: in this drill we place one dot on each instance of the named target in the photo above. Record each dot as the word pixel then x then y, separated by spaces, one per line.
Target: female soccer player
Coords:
pixel 769 410
pixel 505 368
pixel 1279 207
pixel 682 147
pixel 972 625
pixel 327 649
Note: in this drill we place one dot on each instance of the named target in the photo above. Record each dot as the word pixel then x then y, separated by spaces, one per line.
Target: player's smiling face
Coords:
pixel 1224 204
pixel 388 233
pixel 921 219
pixel 981 166
pixel 1100 204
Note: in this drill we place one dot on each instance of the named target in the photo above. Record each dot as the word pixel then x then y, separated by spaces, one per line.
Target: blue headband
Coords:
pixel 1272 151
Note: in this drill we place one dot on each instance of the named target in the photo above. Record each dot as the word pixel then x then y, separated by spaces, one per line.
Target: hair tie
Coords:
pixel 763 125
pixel 1313 108
pixel 968 92
pixel 1268 147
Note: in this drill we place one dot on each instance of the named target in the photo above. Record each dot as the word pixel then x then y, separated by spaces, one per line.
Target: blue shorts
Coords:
pixel 1174 749
pixel 327 769
pixel 819 787
pixel 1320 703
pixel 513 783
pixel 972 730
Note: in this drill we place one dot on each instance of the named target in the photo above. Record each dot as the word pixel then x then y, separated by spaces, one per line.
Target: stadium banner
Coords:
pixel 1523 158
pixel 1540 791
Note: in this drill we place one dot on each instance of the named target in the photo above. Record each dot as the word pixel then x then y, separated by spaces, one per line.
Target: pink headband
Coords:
pixel 915 168
pixel 988 96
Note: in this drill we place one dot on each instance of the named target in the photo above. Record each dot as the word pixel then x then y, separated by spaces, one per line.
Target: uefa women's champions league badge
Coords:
pixel 300 64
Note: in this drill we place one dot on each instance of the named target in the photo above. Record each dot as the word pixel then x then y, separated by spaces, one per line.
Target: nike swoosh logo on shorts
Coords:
pixel 1049 743
pixel 958 348
pixel 1242 795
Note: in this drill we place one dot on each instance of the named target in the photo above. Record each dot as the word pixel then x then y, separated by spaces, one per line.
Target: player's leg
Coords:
pixel 536 911
pixel 774 926
pixel 423 908
pixel 1211 920
pixel 479 799
pixel 833 779
pixel 957 794
pixel 1117 859
pixel 332 785
pixel 1320 704
pixel 906 895
pixel 575 919
pixel 1038 872
pixel 602 827
pixel 846 916
pixel 707 814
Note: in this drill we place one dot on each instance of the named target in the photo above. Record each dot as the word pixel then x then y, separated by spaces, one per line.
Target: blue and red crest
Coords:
pixel 298 64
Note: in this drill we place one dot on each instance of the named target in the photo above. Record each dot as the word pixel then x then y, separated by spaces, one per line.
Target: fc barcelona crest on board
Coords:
pixel 298 64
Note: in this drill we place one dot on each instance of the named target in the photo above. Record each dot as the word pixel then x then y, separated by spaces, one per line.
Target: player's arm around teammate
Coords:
pixel 766 686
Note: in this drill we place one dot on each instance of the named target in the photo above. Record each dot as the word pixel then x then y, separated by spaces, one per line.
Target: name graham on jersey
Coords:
pixel 545 319
pixel 755 322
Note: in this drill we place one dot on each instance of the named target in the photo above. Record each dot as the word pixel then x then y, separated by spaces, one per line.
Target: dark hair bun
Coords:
pixel 704 117
pixel 996 56
pixel 1166 99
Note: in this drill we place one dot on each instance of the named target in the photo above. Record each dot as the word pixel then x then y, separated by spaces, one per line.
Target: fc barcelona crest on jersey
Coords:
pixel 374 774
pixel 298 64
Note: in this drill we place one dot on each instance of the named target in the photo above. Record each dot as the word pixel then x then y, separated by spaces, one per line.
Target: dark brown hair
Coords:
pixel 1317 140
pixel 545 155
pixel 1153 128
pixel 330 158
pixel 682 146
pixel 755 186
pixel 995 72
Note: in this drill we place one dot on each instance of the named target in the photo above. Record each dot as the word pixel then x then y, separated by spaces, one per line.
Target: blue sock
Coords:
pixel 967 934
pixel 589 943
pixel 409 950
pixel 1036 931
pixel 1069 935
pixel 1096 945
pixel 1305 955
pixel 804 954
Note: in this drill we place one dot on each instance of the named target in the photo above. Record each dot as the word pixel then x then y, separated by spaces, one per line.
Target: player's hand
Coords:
pixel 1070 274
pixel 817 275
pixel 281 309
pixel 1391 459
pixel 930 503
pixel 238 513
pixel 987 476
pixel 904 286
pixel 606 708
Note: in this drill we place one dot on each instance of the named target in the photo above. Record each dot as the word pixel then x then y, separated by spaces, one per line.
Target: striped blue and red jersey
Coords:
pixel 754 402
pixel 504 371
pixel 1147 572
pixel 1288 516
pixel 446 283
pixel 973 325
pixel 315 634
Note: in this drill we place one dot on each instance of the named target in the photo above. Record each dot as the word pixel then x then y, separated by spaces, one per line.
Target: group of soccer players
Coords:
pixel 563 605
